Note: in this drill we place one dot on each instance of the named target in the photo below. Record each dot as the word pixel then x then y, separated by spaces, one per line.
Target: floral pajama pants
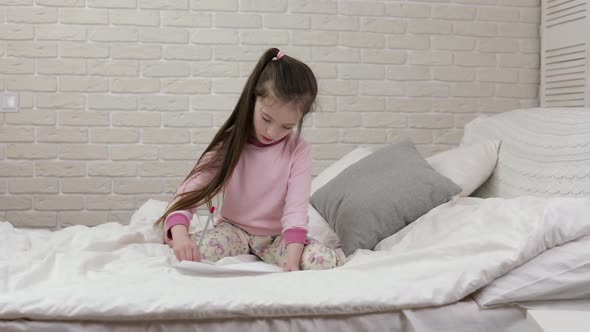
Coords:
pixel 226 240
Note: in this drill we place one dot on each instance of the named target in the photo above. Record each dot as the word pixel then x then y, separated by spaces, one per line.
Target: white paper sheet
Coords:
pixel 239 266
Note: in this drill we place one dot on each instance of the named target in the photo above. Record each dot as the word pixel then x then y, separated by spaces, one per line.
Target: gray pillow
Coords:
pixel 381 194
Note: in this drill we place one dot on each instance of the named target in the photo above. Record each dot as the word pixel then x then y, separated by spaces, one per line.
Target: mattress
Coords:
pixel 462 316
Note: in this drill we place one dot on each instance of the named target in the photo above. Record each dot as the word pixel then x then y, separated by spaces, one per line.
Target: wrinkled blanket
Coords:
pixel 123 272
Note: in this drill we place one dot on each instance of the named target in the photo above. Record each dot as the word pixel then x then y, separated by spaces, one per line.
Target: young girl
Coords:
pixel 263 170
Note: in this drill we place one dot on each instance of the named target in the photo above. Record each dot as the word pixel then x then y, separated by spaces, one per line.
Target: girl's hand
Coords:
pixel 290 267
pixel 294 251
pixel 186 249
pixel 183 246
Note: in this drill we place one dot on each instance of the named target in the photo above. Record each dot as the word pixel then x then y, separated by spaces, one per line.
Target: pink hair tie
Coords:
pixel 279 55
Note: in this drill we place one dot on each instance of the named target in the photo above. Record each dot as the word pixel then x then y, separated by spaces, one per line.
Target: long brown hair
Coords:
pixel 290 80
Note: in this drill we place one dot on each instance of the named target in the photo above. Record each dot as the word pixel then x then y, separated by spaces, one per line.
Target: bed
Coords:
pixel 471 264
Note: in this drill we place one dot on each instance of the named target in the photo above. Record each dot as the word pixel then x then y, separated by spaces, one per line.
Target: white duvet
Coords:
pixel 115 272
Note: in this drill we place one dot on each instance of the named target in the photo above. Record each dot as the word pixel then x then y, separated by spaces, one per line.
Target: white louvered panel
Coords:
pixel 563 11
pixel 572 65
pixel 561 83
pixel 565 53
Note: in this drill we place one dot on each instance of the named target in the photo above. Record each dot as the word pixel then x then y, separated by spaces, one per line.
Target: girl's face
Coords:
pixel 274 119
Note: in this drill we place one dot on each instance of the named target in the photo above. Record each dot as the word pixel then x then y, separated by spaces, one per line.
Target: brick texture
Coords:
pixel 118 98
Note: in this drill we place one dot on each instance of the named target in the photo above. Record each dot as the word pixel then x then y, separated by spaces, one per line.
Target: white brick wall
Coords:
pixel 118 98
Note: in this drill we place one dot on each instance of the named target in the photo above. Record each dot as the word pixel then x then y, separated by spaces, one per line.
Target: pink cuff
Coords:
pixel 295 235
pixel 176 219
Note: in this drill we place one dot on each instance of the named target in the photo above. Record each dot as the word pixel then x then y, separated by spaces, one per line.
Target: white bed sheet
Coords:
pixel 560 273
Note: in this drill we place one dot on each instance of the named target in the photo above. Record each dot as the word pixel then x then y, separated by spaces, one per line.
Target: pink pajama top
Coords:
pixel 267 194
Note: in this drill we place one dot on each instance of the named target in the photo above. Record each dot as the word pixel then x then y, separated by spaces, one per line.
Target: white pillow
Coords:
pixel 318 228
pixel 544 153
pixel 560 273
pixel 333 170
pixel 468 166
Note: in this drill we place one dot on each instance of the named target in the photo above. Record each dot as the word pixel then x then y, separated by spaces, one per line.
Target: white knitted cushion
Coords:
pixel 543 152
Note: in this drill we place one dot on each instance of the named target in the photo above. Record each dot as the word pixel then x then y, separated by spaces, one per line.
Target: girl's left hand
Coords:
pixel 293 253
pixel 290 267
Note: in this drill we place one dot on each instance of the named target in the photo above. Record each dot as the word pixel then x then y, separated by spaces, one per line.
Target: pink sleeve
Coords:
pixel 296 235
pixel 183 217
pixel 176 219
pixel 295 216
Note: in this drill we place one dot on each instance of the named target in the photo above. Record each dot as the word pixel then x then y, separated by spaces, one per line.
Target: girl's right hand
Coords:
pixel 186 249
